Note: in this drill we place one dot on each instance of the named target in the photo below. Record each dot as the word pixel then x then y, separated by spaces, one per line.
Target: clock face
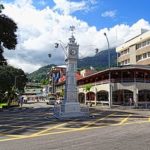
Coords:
pixel 72 52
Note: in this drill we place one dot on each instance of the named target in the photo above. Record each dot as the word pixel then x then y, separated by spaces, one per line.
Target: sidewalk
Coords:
pixel 128 109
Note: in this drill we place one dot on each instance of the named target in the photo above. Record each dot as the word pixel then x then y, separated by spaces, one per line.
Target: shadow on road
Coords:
pixel 29 120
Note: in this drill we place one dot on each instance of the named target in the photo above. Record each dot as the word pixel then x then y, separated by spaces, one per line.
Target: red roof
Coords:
pixel 63 78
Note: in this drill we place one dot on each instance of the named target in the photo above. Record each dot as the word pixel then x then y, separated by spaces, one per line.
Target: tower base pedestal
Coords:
pixel 70 110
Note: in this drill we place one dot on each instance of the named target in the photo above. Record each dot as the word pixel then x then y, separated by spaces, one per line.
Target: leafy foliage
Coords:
pixel 10 76
pixel 8 37
pixel 1 8
pixel 87 87
pixel 44 81
pixel 41 75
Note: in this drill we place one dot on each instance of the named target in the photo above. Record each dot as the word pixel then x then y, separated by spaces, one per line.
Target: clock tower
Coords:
pixel 70 107
pixel 71 83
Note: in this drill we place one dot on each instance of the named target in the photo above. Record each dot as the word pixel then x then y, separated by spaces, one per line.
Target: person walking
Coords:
pixel 130 101
pixel 21 100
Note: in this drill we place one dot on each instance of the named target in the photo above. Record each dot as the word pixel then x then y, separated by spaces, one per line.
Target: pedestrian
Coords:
pixel 130 101
pixel 21 100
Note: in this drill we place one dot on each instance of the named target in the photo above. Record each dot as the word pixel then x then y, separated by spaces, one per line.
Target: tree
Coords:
pixel 12 80
pixel 87 87
pixel 45 81
pixel 62 93
pixel 1 8
pixel 8 37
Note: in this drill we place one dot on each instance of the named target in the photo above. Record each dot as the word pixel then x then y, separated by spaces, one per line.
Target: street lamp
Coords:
pixel 109 92
pixel 108 50
pixel 62 45
pixel 64 48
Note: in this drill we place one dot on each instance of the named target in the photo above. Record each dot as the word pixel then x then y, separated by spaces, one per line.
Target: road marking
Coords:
pixel 139 122
pixel 124 120
pixel 67 131
pixel 93 123
pixel 63 128
pixel 60 126
pixel 48 129
pixel 51 133
pixel 10 135
pixel 22 127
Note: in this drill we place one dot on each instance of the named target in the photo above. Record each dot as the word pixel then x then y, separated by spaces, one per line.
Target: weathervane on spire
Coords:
pixel 72 28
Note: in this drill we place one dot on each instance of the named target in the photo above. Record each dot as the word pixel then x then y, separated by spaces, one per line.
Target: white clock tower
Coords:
pixel 70 107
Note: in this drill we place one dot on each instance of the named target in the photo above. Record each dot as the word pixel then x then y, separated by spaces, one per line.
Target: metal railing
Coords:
pixel 144 105
pixel 119 80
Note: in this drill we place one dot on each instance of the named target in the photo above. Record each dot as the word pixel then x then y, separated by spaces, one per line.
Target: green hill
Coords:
pixel 40 74
pixel 99 61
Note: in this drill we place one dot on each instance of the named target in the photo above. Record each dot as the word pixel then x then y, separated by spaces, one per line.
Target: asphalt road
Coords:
pixel 34 128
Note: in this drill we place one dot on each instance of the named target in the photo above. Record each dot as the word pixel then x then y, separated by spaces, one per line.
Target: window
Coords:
pixel 148 42
pixel 145 55
pixel 125 62
pixel 138 46
pixel 138 57
pixel 143 44
pixel 126 51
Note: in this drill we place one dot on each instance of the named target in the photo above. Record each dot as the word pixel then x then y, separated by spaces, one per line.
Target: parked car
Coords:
pixel 51 101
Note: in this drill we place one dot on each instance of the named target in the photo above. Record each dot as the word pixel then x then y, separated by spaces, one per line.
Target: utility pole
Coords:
pixel 110 91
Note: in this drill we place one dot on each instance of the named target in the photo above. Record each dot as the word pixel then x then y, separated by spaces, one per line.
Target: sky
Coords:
pixel 42 23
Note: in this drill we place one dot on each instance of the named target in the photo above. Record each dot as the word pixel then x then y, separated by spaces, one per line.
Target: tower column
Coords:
pixel 70 107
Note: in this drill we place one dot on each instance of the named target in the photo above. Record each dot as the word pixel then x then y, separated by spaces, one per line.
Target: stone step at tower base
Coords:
pixel 70 110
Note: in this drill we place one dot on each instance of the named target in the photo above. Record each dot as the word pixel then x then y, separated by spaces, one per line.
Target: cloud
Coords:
pixel 28 67
pixel 23 2
pixel 68 7
pixel 38 30
pixel 111 14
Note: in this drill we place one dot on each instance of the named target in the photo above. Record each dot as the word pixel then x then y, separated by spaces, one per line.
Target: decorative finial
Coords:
pixel 72 28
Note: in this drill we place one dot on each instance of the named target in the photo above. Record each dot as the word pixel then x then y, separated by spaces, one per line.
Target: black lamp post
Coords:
pixel 109 92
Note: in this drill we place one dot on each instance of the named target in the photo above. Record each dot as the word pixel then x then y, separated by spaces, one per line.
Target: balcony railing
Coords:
pixel 119 80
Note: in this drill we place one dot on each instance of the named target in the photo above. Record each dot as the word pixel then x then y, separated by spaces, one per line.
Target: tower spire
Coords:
pixel 72 28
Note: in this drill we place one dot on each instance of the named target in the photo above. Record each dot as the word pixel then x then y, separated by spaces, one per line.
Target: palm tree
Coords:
pixel 8 37
pixel 87 87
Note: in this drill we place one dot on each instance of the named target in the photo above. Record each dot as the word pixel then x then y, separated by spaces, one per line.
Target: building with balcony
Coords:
pixel 135 51
pixel 126 82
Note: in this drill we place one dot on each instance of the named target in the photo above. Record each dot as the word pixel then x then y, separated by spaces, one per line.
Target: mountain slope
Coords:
pixel 99 62
pixel 40 74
